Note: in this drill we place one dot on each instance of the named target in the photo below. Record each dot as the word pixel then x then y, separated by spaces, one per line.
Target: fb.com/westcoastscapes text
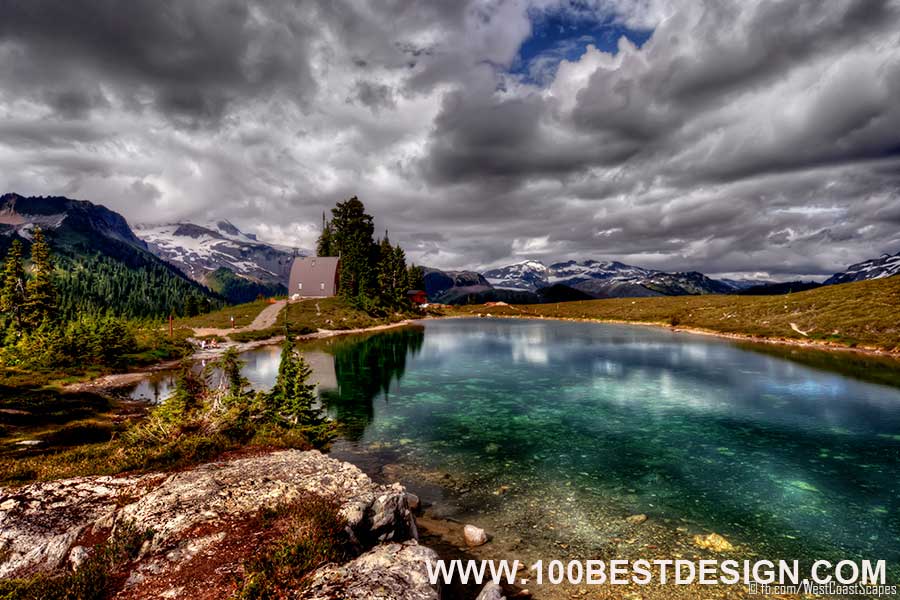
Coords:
pixel 844 577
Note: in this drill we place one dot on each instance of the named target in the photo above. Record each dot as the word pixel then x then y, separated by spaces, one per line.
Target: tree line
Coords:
pixel 75 317
pixel 373 274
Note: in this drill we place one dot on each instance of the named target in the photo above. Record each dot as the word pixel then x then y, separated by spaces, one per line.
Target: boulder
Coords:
pixel 40 524
pixel 395 571
pixel 636 519
pixel 474 536
pixel 374 512
pixel 491 591
pixel 714 542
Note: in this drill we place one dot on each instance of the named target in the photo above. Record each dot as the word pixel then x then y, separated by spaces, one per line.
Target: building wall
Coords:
pixel 314 276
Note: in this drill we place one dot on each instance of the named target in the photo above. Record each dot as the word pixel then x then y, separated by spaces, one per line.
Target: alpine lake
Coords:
pixel 550 434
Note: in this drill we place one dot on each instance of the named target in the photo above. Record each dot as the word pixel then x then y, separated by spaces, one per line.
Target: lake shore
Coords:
pixel 811 344
pixel 116 381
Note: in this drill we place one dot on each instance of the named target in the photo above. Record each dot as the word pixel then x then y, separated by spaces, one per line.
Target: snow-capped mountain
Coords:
pixel 573 272
pixel 527 275
pixel 886 265
pixel 199 250
pixel 603 279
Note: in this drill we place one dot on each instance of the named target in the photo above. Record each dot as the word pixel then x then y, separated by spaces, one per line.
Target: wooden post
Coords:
pixel 171 326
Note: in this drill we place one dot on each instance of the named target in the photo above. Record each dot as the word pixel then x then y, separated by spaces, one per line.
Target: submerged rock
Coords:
pixel 474 536
pixel 714 542
pixel 636 519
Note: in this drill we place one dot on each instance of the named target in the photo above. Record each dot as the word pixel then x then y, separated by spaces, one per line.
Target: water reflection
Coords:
pixel 795 459
pixel 366 368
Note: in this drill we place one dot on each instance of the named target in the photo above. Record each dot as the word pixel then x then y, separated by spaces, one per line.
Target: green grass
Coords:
pixel 864 314
pixel 335 313
pixel 221 319
pixel 305 535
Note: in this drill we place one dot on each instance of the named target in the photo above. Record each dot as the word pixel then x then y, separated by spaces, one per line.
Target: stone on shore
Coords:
pixel 491 591
pixel 398 571
pixel 474 536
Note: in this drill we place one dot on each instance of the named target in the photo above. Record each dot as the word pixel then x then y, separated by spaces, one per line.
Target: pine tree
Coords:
pixel 235 383
pixel 384 269
pixel 351 238
pixel 400 277
pixel 188 396
pixel 12 295
pixel 415 278
pixel 324 244
pixel 40 290
pixel 293 398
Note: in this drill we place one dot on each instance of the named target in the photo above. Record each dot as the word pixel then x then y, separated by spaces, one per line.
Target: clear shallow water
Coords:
pixel 796 462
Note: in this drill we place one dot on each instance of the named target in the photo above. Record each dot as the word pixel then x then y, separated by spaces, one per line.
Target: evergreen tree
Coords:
pixel 415 278
pixel 393 281
pixel 235 383
pixel 351 238
pixel 40 304
pixel 191 306
pixel 13 295
pixel 293 398
pixel 188 396
pixel 324 244
pixel 385 276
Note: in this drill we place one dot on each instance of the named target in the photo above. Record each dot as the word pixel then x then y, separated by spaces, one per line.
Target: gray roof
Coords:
pixel 313 270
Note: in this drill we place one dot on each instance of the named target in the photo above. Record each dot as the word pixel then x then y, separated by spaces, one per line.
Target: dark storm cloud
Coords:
pixel 741 137
pixel 193 58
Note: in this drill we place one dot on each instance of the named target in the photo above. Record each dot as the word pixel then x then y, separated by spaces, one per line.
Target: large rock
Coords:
pixel 474 536
pixel 491 591
pixel 41 524
pixel 389 571
pixel 374 512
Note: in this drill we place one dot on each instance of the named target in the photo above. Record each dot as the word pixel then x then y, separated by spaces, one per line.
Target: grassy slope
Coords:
pixel 865 314
pixel 308 316
pixel 243 315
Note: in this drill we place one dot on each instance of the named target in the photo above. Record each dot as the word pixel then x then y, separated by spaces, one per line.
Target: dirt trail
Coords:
pixel 265 319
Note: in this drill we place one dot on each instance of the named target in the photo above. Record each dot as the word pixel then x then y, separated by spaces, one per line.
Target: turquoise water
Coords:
pixel 600 421
pixel 794 461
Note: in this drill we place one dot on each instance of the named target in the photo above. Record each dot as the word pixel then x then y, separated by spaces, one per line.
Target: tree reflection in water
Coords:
pixel 366 368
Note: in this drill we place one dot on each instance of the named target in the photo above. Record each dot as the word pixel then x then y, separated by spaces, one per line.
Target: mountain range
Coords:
pixel 532 281
pixel 216 260
pixel 105 266
pixel 207 253
pixel 886 265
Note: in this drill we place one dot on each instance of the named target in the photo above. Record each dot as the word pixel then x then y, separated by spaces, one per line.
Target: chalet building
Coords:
pixel 314 276
pixel 417 297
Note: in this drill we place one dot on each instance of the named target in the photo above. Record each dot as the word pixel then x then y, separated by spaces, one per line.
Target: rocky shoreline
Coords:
pixel 196 522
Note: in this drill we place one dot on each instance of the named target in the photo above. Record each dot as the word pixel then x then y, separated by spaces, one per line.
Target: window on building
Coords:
pixel 300 286
pixel 322 286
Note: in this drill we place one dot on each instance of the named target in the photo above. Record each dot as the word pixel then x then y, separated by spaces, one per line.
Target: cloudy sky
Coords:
pixel 727 137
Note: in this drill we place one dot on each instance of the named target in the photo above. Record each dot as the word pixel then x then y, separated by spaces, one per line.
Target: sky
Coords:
pixel 737 138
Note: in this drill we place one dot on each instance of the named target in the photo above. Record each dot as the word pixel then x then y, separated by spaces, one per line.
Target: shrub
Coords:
pixel 313 534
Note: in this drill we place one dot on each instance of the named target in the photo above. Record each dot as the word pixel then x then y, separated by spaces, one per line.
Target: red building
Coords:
pixel 417 297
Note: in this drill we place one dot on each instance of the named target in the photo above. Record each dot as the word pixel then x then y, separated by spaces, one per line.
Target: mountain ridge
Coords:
pixel 103 265
pixel 199 250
